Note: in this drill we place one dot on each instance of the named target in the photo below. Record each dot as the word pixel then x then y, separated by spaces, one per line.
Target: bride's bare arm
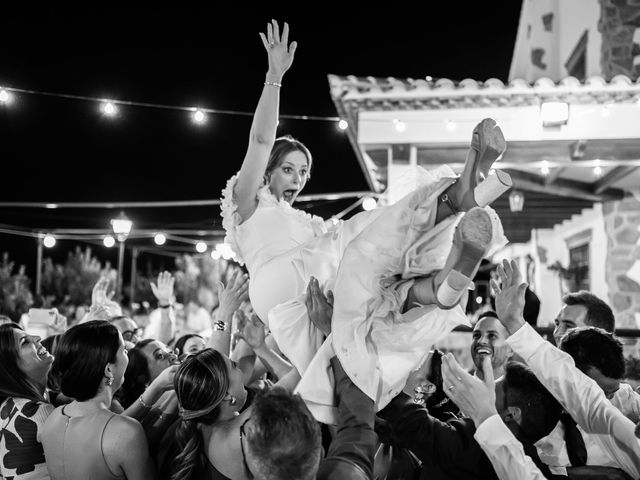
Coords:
pixel 265 119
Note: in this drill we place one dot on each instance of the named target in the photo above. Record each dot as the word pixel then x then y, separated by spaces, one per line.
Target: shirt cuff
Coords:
pixel 526 341
pixel 492 431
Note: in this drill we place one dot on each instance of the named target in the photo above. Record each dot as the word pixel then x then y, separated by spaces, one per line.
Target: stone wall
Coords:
pixel 620 51
pixel 622 219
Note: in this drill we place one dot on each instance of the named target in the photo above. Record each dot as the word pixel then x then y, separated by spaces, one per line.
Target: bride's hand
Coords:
pixel 279 51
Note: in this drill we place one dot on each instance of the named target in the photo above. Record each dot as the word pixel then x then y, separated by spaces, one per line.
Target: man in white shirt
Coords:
pixel 580 395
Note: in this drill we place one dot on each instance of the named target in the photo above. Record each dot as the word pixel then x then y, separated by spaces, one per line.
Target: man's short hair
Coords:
pixel 488 313
pixel 595 347
pixel 599 314
pixel 283 438
pixel 540 411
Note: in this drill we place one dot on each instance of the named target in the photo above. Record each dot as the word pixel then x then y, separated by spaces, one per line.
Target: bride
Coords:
pixel 398 273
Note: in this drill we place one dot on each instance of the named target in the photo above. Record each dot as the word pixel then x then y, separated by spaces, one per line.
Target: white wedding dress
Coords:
pixel 369 262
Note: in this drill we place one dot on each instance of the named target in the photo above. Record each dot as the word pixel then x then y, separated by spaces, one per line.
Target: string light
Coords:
pixel 5 97
pixel 369 203
pixel 159 238
pixel 545 168
pixel 343 125
pixel 109 241
pixel 597 170
pixel 215 254
pixel 49 240
pixel 115 103
pixel 201 247
pixel 199 117
pixel 400 126
pixel 109 108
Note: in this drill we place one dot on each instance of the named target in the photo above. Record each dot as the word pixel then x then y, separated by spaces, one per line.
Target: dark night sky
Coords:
pixel 57 149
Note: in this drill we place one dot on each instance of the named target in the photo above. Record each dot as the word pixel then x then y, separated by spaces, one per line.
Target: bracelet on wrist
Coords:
pixel 220 326
pixel 273 84
pixel 142 402
pixel 168 305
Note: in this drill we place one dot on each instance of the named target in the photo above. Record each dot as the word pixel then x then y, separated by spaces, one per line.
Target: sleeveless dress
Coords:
pixel 73 446
pixel 369 262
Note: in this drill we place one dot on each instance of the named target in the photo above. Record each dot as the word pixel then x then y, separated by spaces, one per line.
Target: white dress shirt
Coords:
pixel 581 397
pixel 505 451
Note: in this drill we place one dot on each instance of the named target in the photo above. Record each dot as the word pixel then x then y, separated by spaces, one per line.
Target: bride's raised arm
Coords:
pixel 265 119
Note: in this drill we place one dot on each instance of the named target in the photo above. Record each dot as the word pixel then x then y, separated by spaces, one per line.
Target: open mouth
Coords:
pixel 483 351
pixel 289 195
pixel 43 352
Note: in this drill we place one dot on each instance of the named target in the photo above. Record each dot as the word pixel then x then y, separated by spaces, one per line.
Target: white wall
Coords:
pixel 575 17
pixel 571 19
pixel 546 283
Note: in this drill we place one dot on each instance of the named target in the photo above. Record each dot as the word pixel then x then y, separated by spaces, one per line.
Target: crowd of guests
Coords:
pixel 109 399
pixel 101 401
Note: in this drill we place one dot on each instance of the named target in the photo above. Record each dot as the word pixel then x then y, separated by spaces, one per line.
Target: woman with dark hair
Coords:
pixel 147 360
pixel 90 365
pixel 380 264
pixel 24 405
pixel 189 344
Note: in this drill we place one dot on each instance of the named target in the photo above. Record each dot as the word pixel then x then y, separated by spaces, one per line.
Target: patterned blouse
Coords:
pixel 21 453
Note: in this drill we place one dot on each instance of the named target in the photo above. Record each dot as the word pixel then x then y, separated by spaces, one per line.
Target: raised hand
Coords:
pixel 163 290
pixel 279 51
pixel 251 330
pixel 234 294
pixel 319 307
pixel 509 292
pixel 99 294
pixel 475 397
pixel 101 303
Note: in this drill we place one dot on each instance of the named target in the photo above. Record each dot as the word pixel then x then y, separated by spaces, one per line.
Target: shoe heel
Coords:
pixel 451 289
pixel 491 188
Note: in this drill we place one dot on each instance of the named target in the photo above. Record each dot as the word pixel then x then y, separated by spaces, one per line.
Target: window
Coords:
pixel 577 63
pixel 579 263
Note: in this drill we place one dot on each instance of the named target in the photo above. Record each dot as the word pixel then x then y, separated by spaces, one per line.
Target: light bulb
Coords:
pixel 201 247
pixel 369 203
pixel 109 109
pixel 199 117
pixel 159 238
pixel 109 241
pixel 343 125
pixel 5 97
pixel 49 240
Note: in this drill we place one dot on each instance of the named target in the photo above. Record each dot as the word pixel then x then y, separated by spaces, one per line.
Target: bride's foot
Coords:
pixel 471 241
pixel 475 187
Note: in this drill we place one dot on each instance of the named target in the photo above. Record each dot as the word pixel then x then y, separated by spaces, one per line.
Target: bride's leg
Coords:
pixel 446 287
pixel 475 187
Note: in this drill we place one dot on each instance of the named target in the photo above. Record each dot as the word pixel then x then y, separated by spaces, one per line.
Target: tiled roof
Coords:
pixel 370 93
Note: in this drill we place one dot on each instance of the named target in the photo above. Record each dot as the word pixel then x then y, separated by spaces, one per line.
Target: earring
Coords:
pixel 109 381
pixel 233 400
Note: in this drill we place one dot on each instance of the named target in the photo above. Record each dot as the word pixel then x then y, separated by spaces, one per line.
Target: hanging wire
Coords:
pixel 162 106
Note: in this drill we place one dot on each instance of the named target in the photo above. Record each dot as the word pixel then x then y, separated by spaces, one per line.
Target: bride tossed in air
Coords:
pixel 397 273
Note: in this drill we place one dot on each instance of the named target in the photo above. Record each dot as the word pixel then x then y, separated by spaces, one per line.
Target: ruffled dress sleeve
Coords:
pixel 231 219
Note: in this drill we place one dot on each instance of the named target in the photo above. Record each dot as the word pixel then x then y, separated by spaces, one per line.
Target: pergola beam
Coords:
pixel 561 187
pixel 612 177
